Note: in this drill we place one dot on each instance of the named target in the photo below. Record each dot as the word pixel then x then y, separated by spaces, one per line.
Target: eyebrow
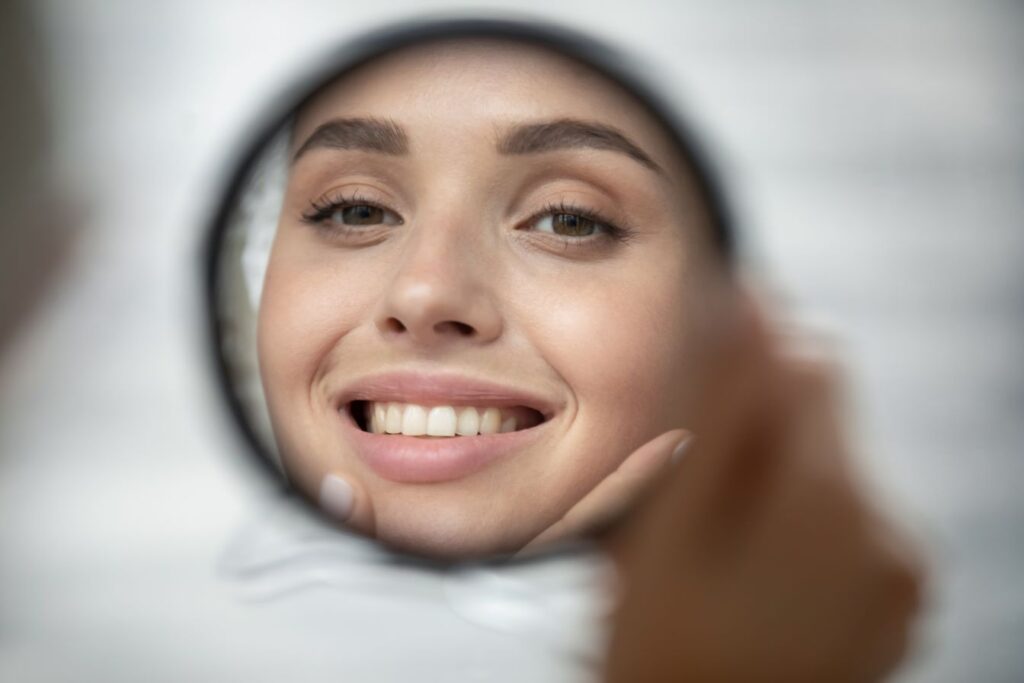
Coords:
pixel 387 137
pixel 368 134
pixel 547 136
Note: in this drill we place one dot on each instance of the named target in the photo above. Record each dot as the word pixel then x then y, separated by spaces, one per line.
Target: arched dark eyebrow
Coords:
pixel 369 134
pixel 387 137
pixel 547 136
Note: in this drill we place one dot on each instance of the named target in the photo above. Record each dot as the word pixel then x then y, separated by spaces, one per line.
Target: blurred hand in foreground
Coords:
pixel 759 557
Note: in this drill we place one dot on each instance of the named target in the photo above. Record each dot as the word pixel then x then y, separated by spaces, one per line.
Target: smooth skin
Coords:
pixel 462 270
pixel 757 556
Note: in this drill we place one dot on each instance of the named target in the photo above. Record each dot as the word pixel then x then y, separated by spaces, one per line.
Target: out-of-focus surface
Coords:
pixel 877 153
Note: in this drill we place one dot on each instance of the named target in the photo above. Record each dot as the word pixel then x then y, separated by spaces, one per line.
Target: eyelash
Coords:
pixel 322 209
pixel 611 231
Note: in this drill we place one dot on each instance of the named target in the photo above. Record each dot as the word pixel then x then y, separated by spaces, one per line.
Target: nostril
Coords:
pixel 462 329
pixel 393 325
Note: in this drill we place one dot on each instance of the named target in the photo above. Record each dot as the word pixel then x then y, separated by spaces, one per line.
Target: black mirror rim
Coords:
pixel 614 64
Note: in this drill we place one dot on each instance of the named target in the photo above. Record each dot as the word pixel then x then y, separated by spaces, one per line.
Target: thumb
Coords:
pixel 612 497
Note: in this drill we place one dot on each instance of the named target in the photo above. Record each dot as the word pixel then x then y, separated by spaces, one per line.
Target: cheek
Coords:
pixel 619 346
pixel 309 303
pixel 307 306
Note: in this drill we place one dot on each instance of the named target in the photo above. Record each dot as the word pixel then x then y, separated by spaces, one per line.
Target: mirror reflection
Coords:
pixel 464 292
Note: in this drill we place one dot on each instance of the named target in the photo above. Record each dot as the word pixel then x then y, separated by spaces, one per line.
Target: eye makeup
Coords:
pixel 575 218
pixel 564 223
pixel 333 206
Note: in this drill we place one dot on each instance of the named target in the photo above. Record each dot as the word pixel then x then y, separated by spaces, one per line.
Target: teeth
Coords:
pixel 469 422
pixel 393 422
pixel 440 421
pixel 416 420
pixel 490 421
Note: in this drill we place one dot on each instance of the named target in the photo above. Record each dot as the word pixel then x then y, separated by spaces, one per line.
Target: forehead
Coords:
pixel 475 87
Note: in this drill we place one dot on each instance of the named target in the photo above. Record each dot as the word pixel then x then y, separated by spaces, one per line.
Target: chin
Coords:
pixel 450 535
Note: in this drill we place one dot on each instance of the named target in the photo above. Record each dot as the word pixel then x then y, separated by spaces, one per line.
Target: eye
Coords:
pixel 362 214
pixel 567 224
pixel 342 213
pixel 575 225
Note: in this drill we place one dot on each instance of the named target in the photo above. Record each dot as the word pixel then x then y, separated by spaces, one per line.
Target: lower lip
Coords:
pixel 422 460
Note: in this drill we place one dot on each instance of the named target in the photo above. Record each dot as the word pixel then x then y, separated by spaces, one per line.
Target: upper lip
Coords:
pixel 443 389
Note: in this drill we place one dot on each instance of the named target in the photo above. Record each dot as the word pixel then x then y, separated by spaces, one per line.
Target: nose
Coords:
pixel 440 294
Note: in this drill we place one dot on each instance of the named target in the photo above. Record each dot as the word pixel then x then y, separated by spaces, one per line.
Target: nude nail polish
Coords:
pixel 336 497
pixel 681 449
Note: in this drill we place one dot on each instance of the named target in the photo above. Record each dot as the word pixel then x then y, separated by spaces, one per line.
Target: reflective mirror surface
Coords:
pixel 461 283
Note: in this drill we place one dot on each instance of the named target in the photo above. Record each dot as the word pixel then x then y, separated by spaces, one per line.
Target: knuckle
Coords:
pixel 811 380
pixel 905 579
pixel 816 376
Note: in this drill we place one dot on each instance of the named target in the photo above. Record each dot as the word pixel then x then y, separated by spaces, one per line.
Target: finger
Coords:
pixel 614 494
pixel 741 427
pixel 895 596
pixel 819 469
pixel 344 501
pixel 739 406
pixel 733 380
pixel 777 384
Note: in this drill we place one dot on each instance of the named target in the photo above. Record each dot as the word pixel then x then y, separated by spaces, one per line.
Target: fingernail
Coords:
pixel 336 497
pixel 681 449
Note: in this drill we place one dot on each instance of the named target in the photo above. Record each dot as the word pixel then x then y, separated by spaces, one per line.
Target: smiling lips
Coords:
pixel 419 428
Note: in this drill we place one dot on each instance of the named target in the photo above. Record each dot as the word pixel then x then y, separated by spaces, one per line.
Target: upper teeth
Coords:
pixel 411 419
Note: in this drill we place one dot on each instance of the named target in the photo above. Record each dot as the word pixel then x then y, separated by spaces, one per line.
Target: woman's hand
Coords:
pixel 759 558
pixel 611 498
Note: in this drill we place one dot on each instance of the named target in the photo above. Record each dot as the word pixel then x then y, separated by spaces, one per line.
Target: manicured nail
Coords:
pixel 336 497
pixel 681 449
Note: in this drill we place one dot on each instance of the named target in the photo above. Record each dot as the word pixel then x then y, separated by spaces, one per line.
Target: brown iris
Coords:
pixel 360 214
pixel 571 225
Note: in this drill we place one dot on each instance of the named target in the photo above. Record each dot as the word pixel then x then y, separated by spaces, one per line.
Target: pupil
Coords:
pixel 570 224
pixel 361 215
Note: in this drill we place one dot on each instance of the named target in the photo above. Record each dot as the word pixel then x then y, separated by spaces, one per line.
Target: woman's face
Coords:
pixel 484 225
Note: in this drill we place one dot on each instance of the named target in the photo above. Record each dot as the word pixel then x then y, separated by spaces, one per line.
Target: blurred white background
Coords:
pixel 876 152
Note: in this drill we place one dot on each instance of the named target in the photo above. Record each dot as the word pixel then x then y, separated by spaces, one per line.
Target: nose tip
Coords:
pixel 438 306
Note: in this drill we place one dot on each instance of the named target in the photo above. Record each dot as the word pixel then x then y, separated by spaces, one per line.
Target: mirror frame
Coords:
pixel 620 67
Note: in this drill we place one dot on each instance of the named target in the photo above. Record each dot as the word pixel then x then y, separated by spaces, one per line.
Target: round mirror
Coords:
pixel 462 274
